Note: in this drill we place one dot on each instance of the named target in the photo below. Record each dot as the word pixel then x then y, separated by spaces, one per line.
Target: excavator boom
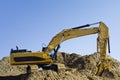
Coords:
pixel 69 34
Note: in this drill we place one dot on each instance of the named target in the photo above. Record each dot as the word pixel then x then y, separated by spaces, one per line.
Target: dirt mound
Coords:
pixel 82 68
pixel 6 68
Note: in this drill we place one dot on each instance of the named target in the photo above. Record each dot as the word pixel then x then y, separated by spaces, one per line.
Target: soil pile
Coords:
pixel 81 68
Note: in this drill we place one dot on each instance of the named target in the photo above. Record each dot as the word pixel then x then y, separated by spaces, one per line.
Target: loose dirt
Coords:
pixel 81 68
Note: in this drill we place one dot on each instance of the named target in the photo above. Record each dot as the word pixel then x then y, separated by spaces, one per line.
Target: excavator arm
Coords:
pixel 69 34
pixel 103 41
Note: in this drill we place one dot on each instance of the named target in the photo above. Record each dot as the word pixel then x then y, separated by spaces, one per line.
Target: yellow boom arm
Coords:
pixel 69 34
pixel 102 40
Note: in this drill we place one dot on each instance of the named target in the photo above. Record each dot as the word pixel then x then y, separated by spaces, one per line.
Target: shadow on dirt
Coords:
pixel 19 77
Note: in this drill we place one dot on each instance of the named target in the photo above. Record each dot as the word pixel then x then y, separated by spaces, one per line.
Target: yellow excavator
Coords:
pixel 44 58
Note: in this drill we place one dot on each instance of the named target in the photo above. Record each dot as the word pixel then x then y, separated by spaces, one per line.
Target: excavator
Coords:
pixel 44 58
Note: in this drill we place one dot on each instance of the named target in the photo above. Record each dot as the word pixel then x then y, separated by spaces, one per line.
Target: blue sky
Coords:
pixel 30 23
